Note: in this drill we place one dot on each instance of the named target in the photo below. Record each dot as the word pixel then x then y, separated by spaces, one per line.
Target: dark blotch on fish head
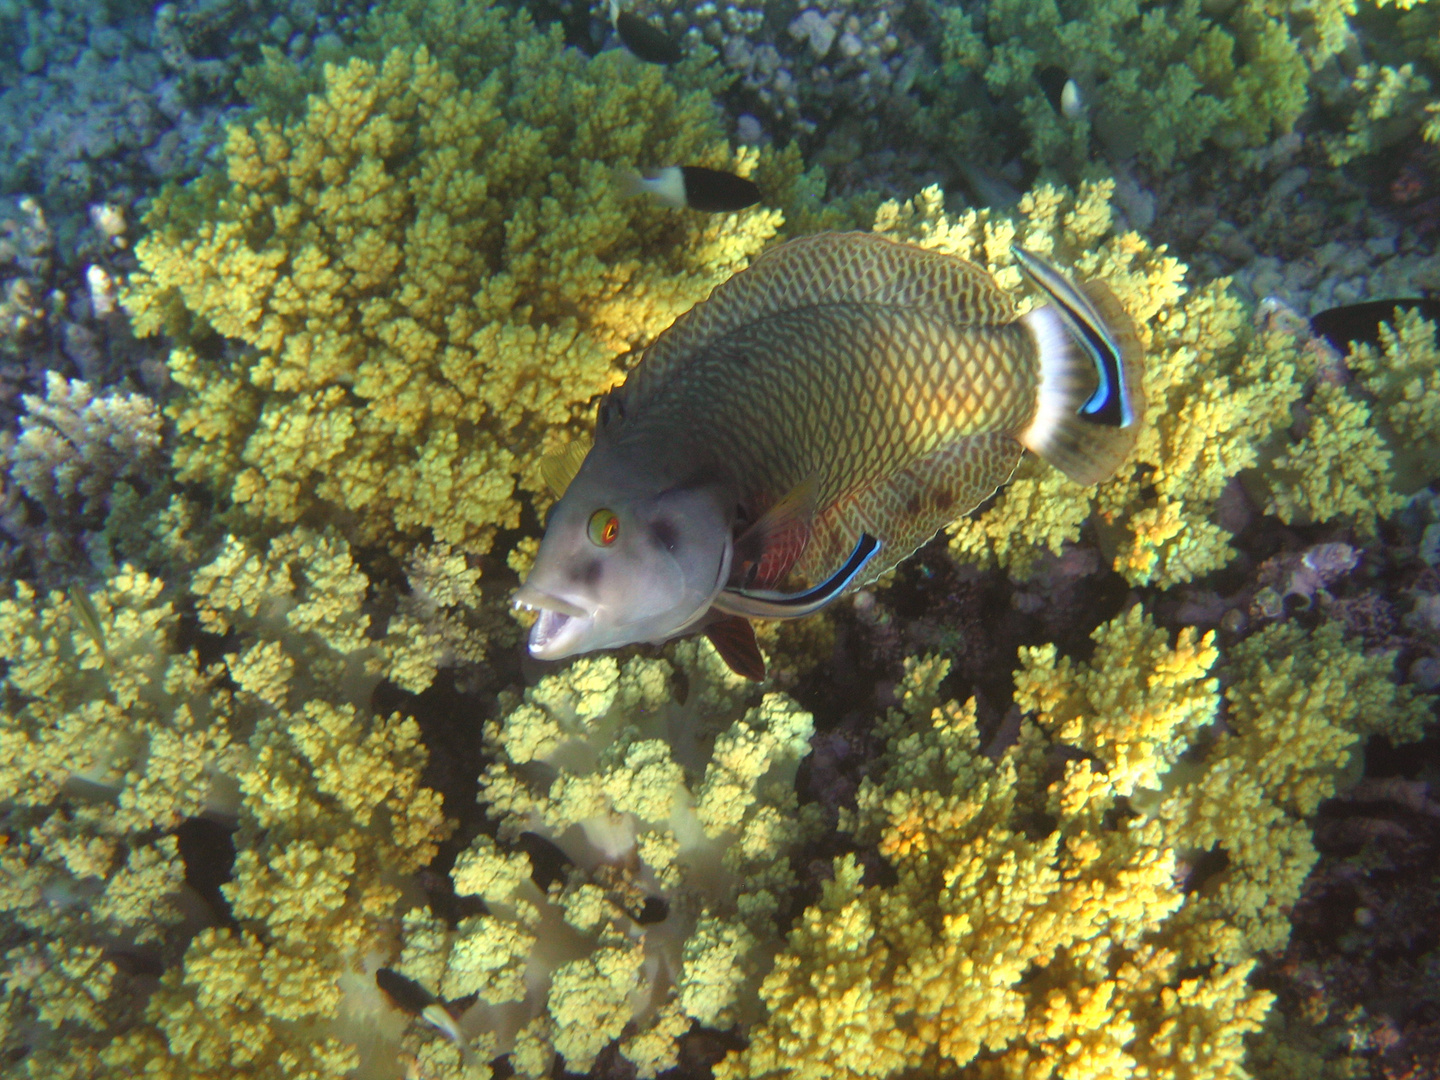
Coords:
pixel 665 533
pixel 588 572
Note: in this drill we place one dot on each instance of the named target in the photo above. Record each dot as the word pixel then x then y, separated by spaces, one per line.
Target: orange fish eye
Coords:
pixel 604 527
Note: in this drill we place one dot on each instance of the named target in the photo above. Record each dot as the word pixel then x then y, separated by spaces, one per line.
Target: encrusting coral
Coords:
pixel 428 272
pixel 1048 908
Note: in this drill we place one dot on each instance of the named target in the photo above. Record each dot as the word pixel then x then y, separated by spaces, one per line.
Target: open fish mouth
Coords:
pixel 560 626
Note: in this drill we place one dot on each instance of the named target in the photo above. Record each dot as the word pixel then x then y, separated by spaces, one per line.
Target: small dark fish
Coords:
pixel 407 994
pixel 696 187
pixel 647 41
pixel 987 187
pixel 1360 323
pixel 1060 90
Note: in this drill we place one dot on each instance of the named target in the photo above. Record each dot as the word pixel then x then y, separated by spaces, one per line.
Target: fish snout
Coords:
pixel 561 623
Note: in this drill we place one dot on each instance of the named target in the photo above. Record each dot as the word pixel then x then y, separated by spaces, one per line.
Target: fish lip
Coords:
pixel 560 625
pixel 527 596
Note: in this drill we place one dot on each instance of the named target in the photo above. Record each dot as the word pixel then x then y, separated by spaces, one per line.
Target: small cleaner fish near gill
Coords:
pixel 821 415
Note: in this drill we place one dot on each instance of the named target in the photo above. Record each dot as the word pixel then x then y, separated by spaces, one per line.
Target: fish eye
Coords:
pixel 604 527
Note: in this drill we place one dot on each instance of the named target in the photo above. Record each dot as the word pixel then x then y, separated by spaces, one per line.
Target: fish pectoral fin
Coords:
pixel 734 639
pixel 765 604
pixel 765 552
pixel 557 469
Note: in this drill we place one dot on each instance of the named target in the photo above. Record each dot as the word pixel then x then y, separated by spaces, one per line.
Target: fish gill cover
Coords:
pixel 1047 803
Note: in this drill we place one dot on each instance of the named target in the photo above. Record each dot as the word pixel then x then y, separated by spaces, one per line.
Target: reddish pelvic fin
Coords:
pixel 767 550
pixel 734 639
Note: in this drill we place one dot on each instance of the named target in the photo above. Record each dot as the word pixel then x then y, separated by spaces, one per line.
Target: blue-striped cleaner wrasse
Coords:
pixel 818 418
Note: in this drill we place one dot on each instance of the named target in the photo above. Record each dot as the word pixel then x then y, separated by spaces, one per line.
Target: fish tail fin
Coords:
pixel 1091 397
pixel 666 186
pixel 627 181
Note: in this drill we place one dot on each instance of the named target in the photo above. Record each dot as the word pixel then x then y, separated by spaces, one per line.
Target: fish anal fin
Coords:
pixel 911 505
pixel 765 552
pixel 558 468
pixel 734 639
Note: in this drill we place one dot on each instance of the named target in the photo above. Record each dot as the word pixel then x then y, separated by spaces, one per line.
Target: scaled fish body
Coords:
pixel 822 414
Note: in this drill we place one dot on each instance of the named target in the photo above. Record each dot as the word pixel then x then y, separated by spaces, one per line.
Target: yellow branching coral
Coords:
pixel 113 733
pixel 1404 375
pixel 1296 708
pixel 1388 104
pixel 1220 393
pixel 690 804
pixel 1339 466
pixel 97 707
pixel 432 273
pixel 1038 924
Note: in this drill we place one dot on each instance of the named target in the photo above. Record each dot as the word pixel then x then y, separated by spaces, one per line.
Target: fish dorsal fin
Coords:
pixel 557 469
pixel 828 268
pixel 734 639
pixel 766 550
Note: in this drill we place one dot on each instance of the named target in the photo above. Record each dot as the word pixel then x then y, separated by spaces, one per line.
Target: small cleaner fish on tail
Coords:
pixel 822 415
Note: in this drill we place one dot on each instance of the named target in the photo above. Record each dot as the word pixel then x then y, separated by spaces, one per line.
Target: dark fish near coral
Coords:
pixel 406 994
pixel 409 996
pixel 1061 91
pixel 1360 323
pixel 645 40
pixel 694 186
pixel 822 414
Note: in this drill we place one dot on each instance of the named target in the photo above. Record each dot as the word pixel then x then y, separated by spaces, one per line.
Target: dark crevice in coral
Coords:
pixel 136 963
pixel 1384 759
pixel 1205 866
pixel 451 725
pixel 1364 951
pixel 548 864
pixel 655 910
pixel 207 849
pixel 701 1049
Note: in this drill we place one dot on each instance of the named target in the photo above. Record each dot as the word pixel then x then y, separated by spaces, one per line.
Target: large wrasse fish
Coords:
pixel 821 415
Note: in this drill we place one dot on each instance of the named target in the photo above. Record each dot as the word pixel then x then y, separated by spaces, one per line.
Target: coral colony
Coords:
pixel 297 300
